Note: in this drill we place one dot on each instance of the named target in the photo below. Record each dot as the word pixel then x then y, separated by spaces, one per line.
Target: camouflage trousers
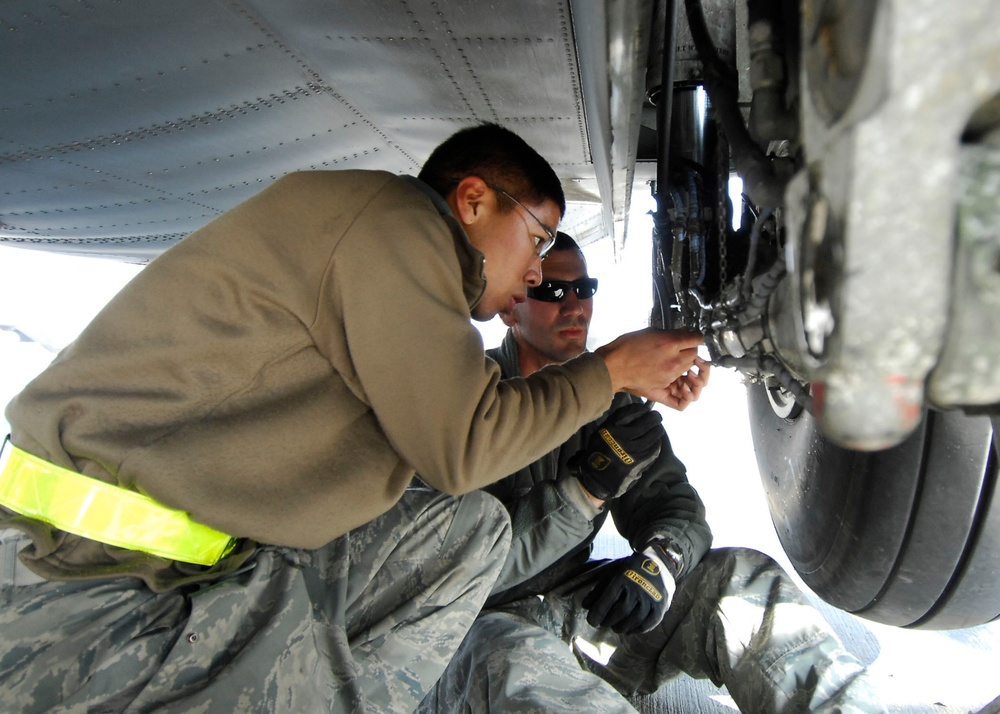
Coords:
pixel 736 619
pixel 366 623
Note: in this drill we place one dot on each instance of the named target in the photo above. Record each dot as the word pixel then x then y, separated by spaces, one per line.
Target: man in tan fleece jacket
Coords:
pixel 250 386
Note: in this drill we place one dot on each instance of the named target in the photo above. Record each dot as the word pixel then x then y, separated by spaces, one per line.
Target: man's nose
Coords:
pixel 534 275
pixel 571 304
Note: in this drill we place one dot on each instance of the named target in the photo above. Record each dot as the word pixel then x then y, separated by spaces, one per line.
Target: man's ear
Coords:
pixel 466 201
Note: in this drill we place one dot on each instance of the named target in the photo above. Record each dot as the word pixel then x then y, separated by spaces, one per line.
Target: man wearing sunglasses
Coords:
pixel 563 633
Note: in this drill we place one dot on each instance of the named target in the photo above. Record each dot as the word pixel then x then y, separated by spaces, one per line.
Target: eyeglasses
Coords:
pixel 558 290
pixel 542 245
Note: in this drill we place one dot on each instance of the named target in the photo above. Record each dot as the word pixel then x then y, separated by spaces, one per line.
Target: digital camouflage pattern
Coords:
pixel 366 623
pixel 736 619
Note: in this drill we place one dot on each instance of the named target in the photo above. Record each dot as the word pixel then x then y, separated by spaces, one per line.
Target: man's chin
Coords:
pixel 484 312
pixel 577 347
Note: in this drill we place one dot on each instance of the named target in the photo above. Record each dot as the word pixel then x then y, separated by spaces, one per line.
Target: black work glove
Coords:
pixel 618 451
pixel 633 595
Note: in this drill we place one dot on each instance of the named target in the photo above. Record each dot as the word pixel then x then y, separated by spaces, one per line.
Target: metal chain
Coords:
pixel 720 219
pixel 723 260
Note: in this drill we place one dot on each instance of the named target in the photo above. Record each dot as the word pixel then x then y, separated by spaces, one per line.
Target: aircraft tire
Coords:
pixel 909 536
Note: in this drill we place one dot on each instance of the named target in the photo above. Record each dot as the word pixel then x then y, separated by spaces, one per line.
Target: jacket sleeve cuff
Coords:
pixel 573 492
pixel 669 555
pixel 592 373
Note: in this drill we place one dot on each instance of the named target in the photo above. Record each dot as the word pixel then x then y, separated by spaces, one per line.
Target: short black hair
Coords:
pixel 564 241
pixel 498 156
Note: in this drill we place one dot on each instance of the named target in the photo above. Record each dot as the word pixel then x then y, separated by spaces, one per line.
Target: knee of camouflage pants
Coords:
pixel 508 664
pixel 275 637
pixel 740 620
pixel 418 579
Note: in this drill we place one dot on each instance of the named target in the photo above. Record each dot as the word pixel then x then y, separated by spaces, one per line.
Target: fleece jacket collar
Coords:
pixel 471 260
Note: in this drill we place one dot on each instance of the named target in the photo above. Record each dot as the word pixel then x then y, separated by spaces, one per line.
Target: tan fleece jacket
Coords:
pixel 281 373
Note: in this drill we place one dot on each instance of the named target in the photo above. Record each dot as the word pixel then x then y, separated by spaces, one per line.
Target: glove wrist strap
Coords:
pixel 669 584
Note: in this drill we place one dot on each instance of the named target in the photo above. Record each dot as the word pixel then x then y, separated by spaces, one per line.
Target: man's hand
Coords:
pixel 633 595
pixel 687 388
pixel 648 362
pixel 615 455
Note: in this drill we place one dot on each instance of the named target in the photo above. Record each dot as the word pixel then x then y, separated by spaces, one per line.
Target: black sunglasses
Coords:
pixel 558 290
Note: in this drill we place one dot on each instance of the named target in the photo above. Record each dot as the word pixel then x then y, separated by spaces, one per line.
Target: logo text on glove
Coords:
pixel 616 447
pixel 644 584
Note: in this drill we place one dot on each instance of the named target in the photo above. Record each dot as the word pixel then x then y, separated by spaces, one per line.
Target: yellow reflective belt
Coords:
pixel 109 514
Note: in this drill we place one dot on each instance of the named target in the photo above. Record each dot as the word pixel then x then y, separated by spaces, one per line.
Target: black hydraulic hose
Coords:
pixel 789 383
pixel 664 108
pixel 772 365
pixel 710 59
pixel 766 285
pixel 758 226
pixel 665 102
pixel 761 182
